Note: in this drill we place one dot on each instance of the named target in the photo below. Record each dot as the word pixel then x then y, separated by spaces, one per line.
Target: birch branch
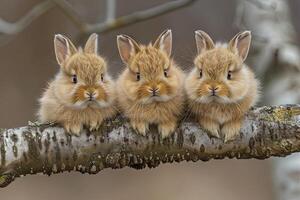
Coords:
pixel 48 149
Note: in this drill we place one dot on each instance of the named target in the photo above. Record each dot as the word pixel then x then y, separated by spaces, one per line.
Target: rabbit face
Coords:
pixel 150 76
pixel 83 80
pixel 219 74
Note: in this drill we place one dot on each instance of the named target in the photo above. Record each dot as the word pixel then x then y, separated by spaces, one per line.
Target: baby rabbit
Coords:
pixel 150 90
pixel 221 88
pixel 82 93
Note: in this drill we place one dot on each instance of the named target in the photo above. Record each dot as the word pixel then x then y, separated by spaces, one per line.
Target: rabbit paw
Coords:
pixel 211 126
pixel 231 130
pixel 166 129
pixel 74 128
pixel 140 127
pixel 95 125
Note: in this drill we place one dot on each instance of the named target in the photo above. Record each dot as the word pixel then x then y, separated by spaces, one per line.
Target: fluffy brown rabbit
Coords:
pixel 221 88
pixel 82 93
pixel 150 89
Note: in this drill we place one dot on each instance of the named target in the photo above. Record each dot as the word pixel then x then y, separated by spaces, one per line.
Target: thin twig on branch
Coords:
pixel 48 149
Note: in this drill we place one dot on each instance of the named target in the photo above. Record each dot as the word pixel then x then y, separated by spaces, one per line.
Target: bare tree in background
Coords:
pixel 276 57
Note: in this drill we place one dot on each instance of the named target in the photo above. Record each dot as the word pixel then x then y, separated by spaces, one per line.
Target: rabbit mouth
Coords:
pixel 84 104
pixel 93 103
pixel 208 99
pixel 213 98
pixel 156 98
pixel 101 104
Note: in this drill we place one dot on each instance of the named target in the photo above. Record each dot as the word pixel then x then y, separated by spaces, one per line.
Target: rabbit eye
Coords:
pixel 229 75
pixel 74 79
pixel 165 73
pixel 201 73
pixel 102 77
pixel 138 76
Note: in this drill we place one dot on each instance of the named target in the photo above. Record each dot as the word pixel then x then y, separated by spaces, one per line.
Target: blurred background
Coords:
pixel 28 62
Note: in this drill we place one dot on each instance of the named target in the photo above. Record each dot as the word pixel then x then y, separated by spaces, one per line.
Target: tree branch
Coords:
pixel 138 16
pixel 22 23
pixel 110 24
pixel 68 10
pixel 110 10
pixel 47 149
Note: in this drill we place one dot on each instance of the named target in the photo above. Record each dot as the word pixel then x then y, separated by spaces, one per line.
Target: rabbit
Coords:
pixel 150 89
pixel 221 88
pixel 82 93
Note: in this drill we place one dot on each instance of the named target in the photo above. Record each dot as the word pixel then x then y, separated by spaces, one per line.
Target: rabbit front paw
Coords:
pixel 231 130
pixel 166 129
pixel 73 128
pixel 211 126
pixel 140 127
pixel 95 125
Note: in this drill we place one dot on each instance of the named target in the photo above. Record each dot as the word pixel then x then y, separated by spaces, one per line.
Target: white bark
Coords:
pixel 276 58
pixel 38 148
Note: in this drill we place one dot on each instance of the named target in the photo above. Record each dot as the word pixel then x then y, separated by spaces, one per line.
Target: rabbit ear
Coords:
pixel 164 42
pixel 203 41
pixel 127 46
pixel 91 45
pixel 240 44
pixel 63 48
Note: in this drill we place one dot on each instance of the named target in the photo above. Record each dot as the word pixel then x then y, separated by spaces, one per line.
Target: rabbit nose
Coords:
pixel 213 90
pixel 154 91
pixel 90 95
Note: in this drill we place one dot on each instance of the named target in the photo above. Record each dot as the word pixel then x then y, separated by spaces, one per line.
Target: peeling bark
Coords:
pixel 48 149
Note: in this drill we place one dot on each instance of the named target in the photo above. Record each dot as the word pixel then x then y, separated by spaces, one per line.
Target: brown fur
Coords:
pixel 221 114
pixel 134 97
pixel 66 102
